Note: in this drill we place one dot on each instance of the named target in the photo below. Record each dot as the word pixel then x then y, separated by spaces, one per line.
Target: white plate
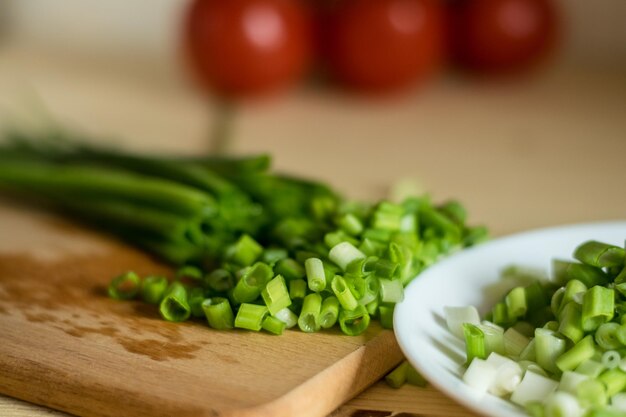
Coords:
pixel 472 277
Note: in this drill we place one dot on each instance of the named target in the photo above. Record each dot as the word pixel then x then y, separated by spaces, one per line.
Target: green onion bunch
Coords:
pixel 254 250
pixel 562 342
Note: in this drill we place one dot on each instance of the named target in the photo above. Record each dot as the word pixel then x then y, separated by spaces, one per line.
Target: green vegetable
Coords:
pixel 252 249
pixel 579 340
pixel 125 286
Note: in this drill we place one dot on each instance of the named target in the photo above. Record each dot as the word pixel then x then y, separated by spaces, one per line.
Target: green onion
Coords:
pixel 590 368
pixel 591 392
pixel 611 359
pixel 252 283
pixel 196 298
pixel 588 275
pixel 533 387
pixel 391 291
pixel 570 324
pixel 219 280
pixel 344 253
pixel 606 336
pixel 125 286
pixel 290 269
pixel 598 307
pixel 600 255
pixel 581 352
pixel 351 224
pixel 153 288
pixel 548 347
pixel 245 251
pixel 515 302
pixel 415 378
pixel 397 377
pixel 174 305
pixel 386 316
pixel 309 315
pixel 343 294
pixel 276 295
pixel 474 342
pixel 218 313
pixel 354 322
pixel 250 316
pixel 514 342
pixel 288 317
pixel 297 290
pixel 316 278
pixel 329 312
pixel 190 272
pixel 272 255
pixel 273 325
pixel 614 380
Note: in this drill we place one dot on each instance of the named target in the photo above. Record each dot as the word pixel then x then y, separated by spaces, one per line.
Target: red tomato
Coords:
pixel 503 36
pixel 381 45
pixel 246 47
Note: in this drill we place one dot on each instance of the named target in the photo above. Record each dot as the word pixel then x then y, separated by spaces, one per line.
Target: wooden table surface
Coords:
pixel 545 151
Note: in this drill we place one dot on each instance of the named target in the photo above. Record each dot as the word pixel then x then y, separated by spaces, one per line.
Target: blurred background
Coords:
pixel 507 108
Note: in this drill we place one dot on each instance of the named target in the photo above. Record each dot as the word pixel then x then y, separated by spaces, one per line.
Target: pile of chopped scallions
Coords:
pixel 557 348
pixel 254 250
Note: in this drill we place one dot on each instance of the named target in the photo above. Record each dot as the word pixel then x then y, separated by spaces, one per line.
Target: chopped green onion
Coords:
pixel 600 254
pixel 351 224
pixel 219 280
pixel 343 293
pixel 529 353
pixel 250 316
pixel 588 275
pixel 354 322
pixel 391 291
pixel 598 307
pixel 508 375
pixel 480 375
pixel 125 286
pixel 570 380
pixel 591 392
pixel 474 342
pixel 153 288
pixel 533 387
pixel 272 255
pixel 297 289
pixel 570 324
pixel 548 347
pixel 252 283
pixel 606 336
pixel 218 313
pixel 457 316
pixel 315 274
pixel 516 302
pixel 614 380
pixel 397 377
pixel 174 305
pixel 289 268
pixel 196 297
pixel 329 312
pixel 415 378
pixel 273 325
pixel 276 295
pixel 288 317
pixel 386 317
pixel 590 368
pixel 370 290
pixel 570 360
pixel 514 342
pixel 189 271
pixel 245 251
pixel 344 253
pixel 562 404
pixel 384 268
pixel 309 321
pixel 611 359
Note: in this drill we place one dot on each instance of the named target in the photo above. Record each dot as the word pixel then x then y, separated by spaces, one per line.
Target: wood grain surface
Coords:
pixel 66 345
pixel 545 151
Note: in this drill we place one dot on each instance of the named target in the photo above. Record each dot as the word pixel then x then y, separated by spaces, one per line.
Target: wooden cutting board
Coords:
pixel 65 344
